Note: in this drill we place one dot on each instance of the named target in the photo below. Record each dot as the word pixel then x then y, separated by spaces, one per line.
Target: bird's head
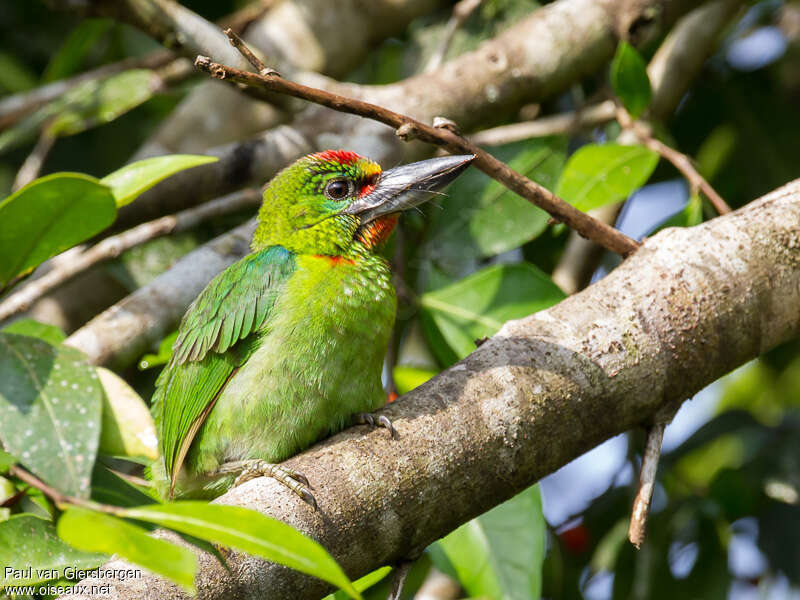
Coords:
pixel 339 203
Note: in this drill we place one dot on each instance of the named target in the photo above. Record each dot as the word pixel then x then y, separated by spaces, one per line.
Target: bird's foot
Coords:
pixel 297 482
pixel 363 418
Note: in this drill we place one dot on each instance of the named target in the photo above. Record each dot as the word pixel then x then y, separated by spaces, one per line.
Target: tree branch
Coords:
pixel 528 62
pixel 411 128
pixel 689 306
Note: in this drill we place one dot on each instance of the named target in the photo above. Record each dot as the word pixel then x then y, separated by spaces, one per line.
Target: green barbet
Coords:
pixel 286 346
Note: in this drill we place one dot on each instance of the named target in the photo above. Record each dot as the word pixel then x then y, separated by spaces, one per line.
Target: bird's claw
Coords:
pixel 375 421
pixel 297 482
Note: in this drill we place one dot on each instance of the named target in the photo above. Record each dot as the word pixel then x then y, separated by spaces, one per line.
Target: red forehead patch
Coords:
pixel 343 157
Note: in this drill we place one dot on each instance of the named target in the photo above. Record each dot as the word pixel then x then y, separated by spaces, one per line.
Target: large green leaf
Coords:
pixel 478 305
pixel 132 180
pixel 629 79
pixel 484 218
pixel 248 531
pixel 48 216
pixel 50 405
pixel 600 174
pixel 499 554
pixel 98 532
pixel 30 546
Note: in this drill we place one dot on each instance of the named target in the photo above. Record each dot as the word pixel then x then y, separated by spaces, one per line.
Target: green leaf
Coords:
pixel 6 461
pixel 499 554
pixel 478 305
pixel 127 427
pixel 98 532
pixel 629 79
pixel 28 542
pixel 600 174
pixel 72 53
pixel 408 378
pixel 87 105
pixel 97 102
pixel 30 327
pixel 132 180
pixel 15 75
pixel 363 584
pixel 148 361
pixel 482 217
pixel 49 215
pixel 50 403
pixel 109 488
pixel 250 532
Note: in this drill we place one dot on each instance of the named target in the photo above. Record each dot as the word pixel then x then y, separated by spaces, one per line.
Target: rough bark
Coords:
pixel 689 306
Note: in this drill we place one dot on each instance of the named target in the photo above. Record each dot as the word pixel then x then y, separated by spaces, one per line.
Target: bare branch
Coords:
pixel 113 246
pixel 679 160
pixel 564 123
pixel 33 163
pixel 681 312
pixel 411 128
pixel 532 60
pixel 461 12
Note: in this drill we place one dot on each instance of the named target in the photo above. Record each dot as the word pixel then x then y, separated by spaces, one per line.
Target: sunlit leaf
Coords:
pixel 30 327
pixel 88 104
pixel 29 545
pixel 132 180
pixel 49 215
pixel 600 174
pixel 248 531
pixel 408 378
pixel 629 79
pixel 127 425
pixel 149 361
pixel 98 532
pixel 50 404
pixel 499 554
pixel 478 305
pixel 362 584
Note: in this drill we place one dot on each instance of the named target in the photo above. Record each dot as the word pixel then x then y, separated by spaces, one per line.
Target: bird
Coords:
pixel 286 346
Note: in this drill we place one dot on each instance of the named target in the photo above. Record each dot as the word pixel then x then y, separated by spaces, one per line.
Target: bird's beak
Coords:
pixel 408 186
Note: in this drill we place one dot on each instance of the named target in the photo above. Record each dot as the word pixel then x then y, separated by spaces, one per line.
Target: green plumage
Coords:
pixel 284 346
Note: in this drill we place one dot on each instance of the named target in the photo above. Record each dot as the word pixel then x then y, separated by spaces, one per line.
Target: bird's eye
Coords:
pixel 339 189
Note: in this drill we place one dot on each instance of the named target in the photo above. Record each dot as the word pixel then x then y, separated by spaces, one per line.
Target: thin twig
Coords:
pixel 33 163
pixel 461 12
pixel 563 123
pixel 113 246
pixel 679 160
pixel 61 500
pixel 399 579
pixel 647 482
pixel 409 128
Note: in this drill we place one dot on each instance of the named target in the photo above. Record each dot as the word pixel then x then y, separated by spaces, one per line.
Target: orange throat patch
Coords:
pixel 378 231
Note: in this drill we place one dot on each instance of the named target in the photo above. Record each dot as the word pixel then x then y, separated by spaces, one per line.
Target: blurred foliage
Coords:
pixel 467 267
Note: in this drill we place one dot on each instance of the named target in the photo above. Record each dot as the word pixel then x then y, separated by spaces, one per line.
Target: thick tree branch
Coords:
pixel 689 306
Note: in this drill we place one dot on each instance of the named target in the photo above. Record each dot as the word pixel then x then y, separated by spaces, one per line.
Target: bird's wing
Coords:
pixel 206 353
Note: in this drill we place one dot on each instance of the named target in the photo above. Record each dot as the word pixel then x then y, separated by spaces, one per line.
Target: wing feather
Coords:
pixel 205 356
